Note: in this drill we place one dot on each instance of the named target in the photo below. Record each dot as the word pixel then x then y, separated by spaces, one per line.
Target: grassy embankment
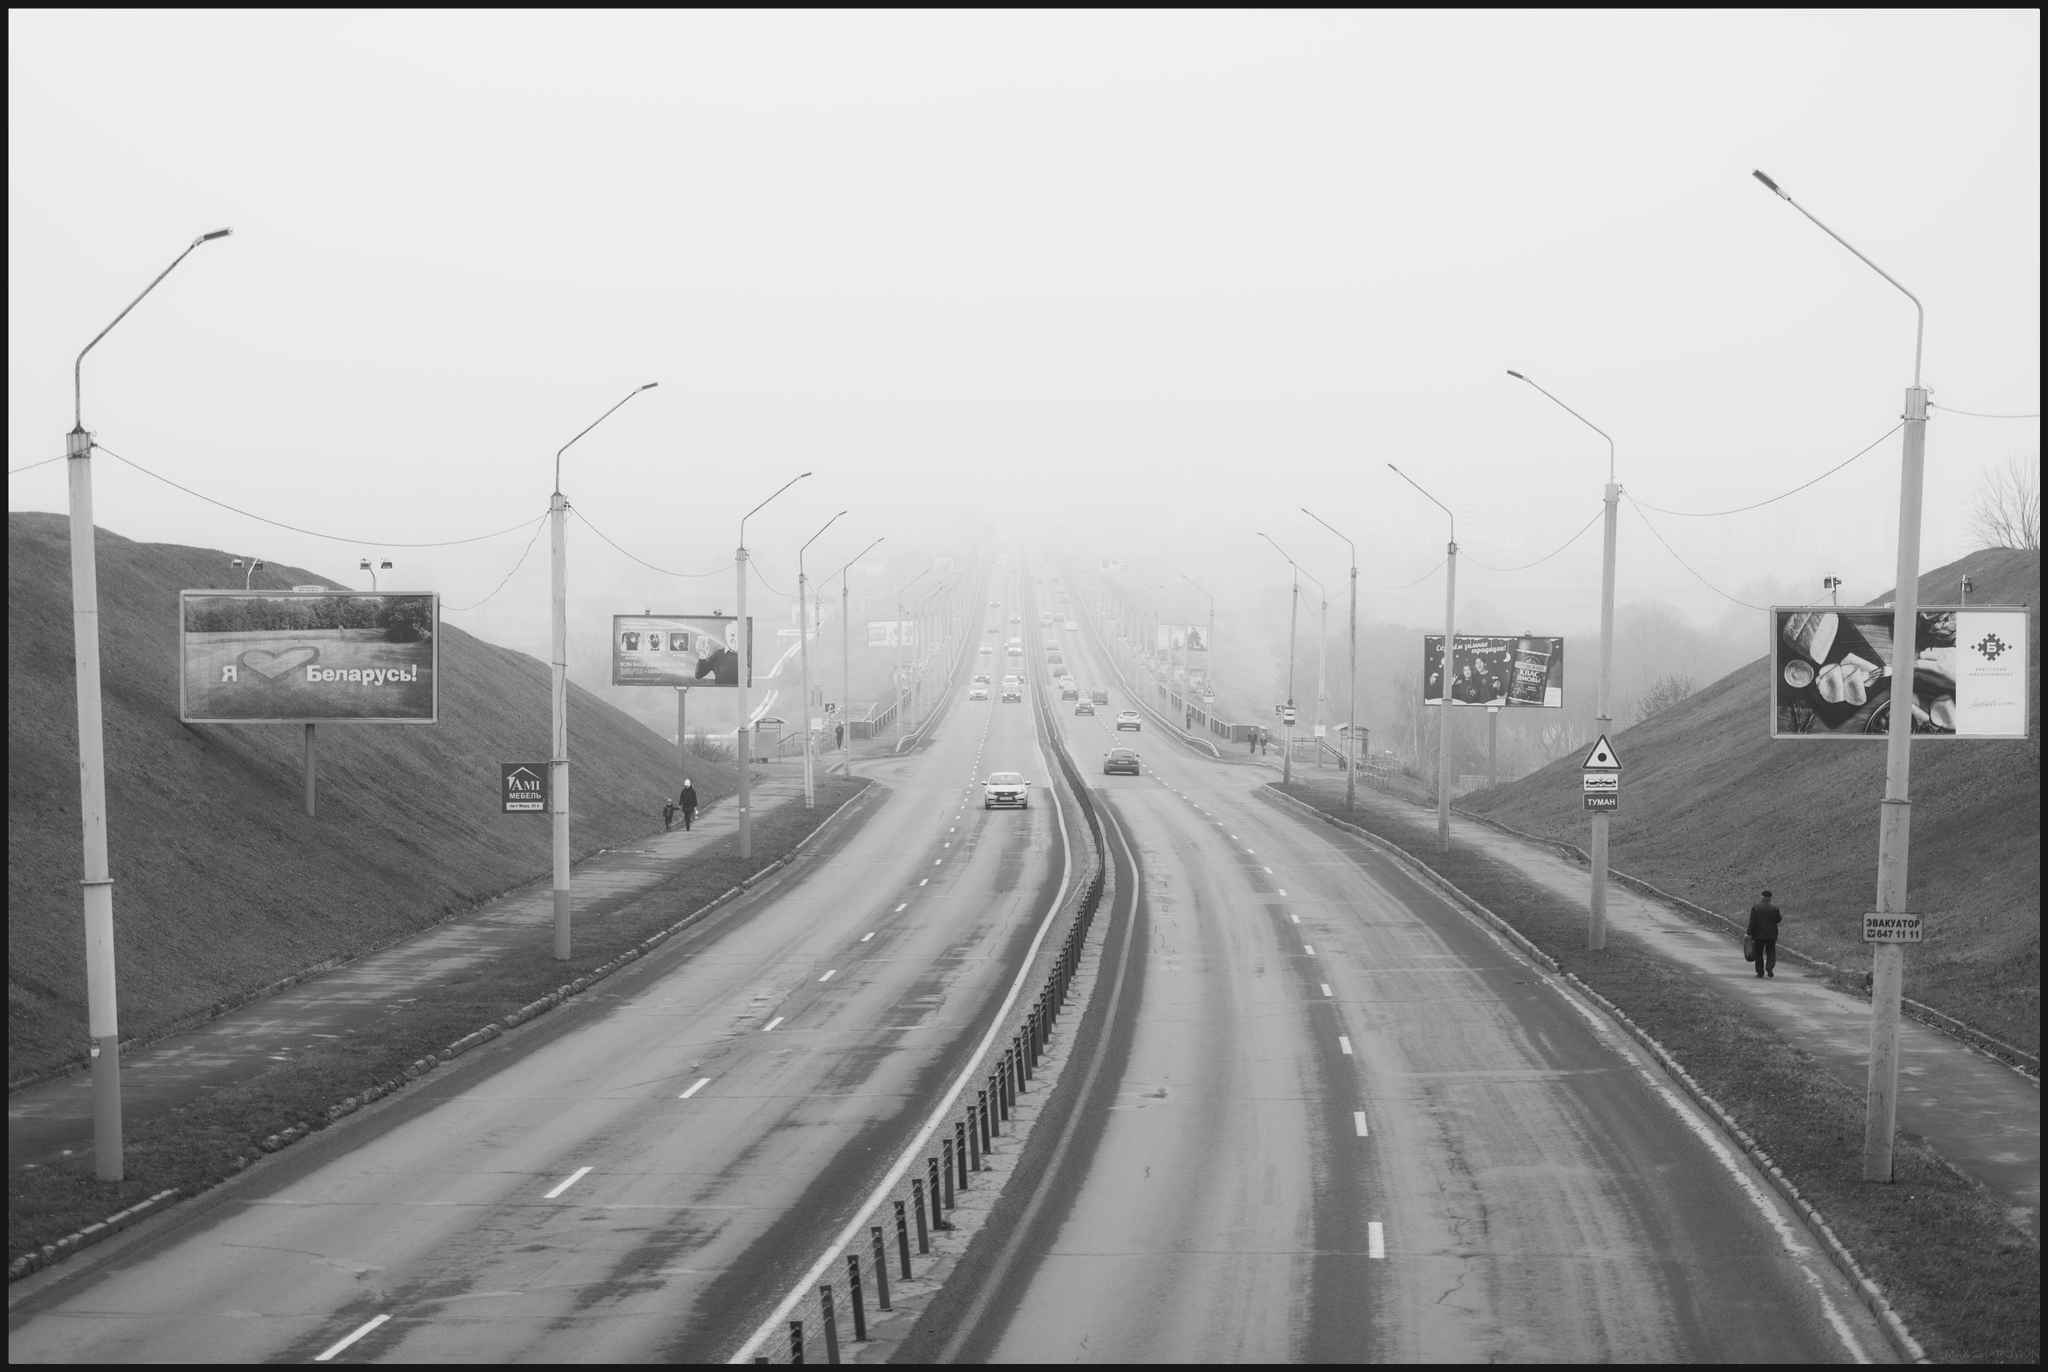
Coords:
pixel 203 1144
pixel 1963 1278
pixel 1713 810
pixel 223 886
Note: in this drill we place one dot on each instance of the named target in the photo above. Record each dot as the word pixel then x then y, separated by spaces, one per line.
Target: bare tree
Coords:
pixel 2007 510
pixel 1662 695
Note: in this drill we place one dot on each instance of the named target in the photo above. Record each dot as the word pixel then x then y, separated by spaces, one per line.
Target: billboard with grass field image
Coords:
pixel 308 657
pixel 1832 672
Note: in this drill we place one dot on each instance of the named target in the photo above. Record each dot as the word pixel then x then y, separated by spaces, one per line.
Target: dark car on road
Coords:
pixel 1124 760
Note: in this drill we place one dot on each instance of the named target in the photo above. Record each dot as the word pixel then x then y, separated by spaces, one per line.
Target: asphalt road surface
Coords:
pixel 1332 1120
pixel 637 1176
pixel 1342 1122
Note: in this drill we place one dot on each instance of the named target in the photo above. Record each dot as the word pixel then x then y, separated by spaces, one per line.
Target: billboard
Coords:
pixel 308 657
pixel 890 633
pixel 1831 672
pixel 679 650
pixel 1519 671
pixel 1115 564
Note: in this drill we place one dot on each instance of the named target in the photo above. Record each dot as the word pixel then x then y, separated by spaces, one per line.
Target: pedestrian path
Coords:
pixel 1980 1115
pixel 47 1121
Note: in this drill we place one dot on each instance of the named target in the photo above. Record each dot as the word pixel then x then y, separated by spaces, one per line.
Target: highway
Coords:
pixel 1340 1121
pixel 629 1178
pixel 1331 1119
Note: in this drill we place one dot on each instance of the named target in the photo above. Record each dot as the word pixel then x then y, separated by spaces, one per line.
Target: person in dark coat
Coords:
pixel 687 803
pixel 1764 919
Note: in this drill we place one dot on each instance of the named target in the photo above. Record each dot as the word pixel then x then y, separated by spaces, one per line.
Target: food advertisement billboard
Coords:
pixel 1831 672
pixel 678 650
pixel 1514 671
pixel 308 657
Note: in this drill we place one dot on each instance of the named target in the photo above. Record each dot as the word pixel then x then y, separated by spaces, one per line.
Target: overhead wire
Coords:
pixel 1975 414
pixel 509 575
pixel 1406 584
pixel 1711 514
pixel 1547 556
pixel 1687 565
pixel 641 560
pixel 16 471
pixel 310 533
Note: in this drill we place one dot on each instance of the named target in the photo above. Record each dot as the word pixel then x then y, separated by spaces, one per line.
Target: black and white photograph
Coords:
pixel 1034 686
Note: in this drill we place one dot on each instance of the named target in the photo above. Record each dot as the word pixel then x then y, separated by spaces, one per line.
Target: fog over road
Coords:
pixel 1333 1120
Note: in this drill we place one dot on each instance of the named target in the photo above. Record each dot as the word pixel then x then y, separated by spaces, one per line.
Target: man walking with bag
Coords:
pixel 687 803
pixel 1762 935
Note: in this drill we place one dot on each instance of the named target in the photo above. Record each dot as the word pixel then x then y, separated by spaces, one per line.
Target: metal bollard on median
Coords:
pixel 946 1150
pixel 831 1323
pixel 903 1235
pixel 924 1243
pixel 796 1342
pixel 860 1314
pixel 960 1159
pixel 882 1263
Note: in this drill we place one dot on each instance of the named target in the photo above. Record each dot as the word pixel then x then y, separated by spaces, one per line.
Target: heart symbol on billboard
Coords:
pixel 271 666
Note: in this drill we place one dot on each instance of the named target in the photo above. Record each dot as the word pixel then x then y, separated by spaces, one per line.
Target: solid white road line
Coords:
pixel 1345 1044
pixel 829 975
pixel 578 1175
pixel 701 1083
pixel 1375 1240
pixel 351 1338
pixel 1358 1122
pixel 772 1023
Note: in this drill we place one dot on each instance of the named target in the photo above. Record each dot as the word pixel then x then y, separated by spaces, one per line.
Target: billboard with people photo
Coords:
pixel 1512 671
pixel 308 657
pixel 1832 672
pixel 678 650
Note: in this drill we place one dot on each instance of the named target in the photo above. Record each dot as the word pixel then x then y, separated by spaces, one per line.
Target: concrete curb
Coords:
pixel 51 1253
pixel 1901 1339
pixel 2005 1054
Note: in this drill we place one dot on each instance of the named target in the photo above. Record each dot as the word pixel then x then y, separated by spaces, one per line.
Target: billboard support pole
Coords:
pixel 739 737
pixel 845 672
pixel 311 756
pixel 1894 832
pixel 1443 723
pixel 682 737
pixel 558 732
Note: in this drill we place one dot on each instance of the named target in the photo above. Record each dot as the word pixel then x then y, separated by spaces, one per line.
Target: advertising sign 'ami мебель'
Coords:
pixel 308 657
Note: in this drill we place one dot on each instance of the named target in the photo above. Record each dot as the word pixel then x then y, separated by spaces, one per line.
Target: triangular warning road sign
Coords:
pixel 1602 758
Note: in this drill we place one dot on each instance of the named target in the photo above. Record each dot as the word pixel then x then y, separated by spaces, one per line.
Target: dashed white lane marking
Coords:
pixel 937 861
pixel 1345 1044
pixel 901 908
pixel 772 1023
pixel 578 1175
pixel 865 937
pixel 1326 989
pixel 1358 1122
pixel 1283 891
pixel 921 881
pixel 352 1338
pixel 1375 1240
pixel 701 1083
pixel 1253 851
pixel 1309 948
pixel 1296 918
pixel 1269 871
pixel 1234 838
pixel 829 975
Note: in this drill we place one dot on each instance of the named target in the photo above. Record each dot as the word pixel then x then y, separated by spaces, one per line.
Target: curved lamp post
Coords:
pixel 1443 731
pixel 803 638
pixel 846 657
pixel 746 638
pixel 1351 680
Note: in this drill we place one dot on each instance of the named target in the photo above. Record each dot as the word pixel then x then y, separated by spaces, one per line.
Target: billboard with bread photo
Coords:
pixel 1832 672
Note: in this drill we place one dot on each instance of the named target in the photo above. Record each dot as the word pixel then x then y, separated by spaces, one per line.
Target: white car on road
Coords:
pixel 1006 790
pixel 1129 720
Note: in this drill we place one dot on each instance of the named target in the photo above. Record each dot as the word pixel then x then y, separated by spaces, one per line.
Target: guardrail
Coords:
pixel 899 1247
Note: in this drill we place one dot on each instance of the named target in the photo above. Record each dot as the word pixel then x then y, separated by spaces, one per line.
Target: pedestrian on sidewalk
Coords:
pixel 839 736
pixel 1251 742
pixel 668 815
pixel 1764 919
pixel 687 803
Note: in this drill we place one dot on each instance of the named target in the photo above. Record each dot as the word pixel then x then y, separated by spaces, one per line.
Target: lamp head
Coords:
pixel 209 237
pixel 385 565
pixel 1771 184
pixel 237 563
pixel 1516 375
pixel 364 565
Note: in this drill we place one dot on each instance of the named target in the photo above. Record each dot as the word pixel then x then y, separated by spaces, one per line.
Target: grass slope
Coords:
pixel 1713 810
pixel 222 885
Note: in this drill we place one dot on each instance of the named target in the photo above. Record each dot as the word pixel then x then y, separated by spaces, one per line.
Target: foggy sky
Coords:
pixel 1149 280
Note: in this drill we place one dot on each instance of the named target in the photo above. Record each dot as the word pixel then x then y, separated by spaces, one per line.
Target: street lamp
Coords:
pixel 1351 683
pixel 846 657
pixel 1287 720
pixel 558 694
pixel 746 637
pixel 364 566
pixel 899 636
pixel 97 886
pixel 1443 731
pixel 1888 960
pixel 255 565
pixel 1208 644
pixel 1596 908
pixel 803 638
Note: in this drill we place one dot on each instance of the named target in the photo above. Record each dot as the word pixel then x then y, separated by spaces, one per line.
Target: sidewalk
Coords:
pixel 1980 1115
pixel 45 1122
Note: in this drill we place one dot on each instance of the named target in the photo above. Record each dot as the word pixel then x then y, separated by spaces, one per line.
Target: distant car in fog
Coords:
pixel 1129 720
pixel 1099 697
pixel 1069 693
pixel 1072 626
pixel 1016 619
pixel 1124 760
pixel 977 693
pixel 1084 708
